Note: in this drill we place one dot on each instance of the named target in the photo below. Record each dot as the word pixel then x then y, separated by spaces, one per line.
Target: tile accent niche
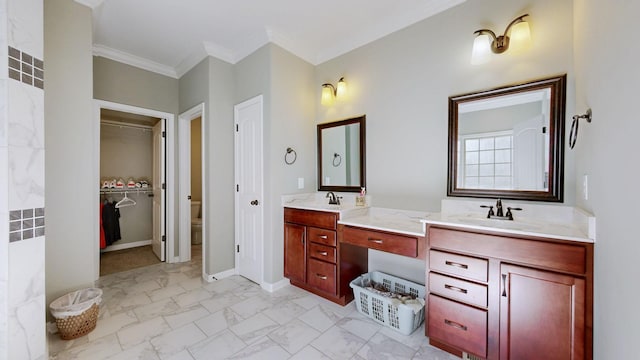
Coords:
pixel 26 224
pixel 26 68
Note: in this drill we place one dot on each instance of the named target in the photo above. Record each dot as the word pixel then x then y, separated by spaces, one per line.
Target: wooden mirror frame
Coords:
pixel 344 188
pixel 555 191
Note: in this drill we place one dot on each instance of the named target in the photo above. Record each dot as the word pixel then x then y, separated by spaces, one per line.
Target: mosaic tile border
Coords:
pixel 26 224
pixel 26 68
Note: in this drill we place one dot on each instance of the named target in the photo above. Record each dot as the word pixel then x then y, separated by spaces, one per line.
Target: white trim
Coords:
pixel 128 245
pixel 225 274
pixel 133 60
pixel 170 172
pixel 273 287
pixel 184 183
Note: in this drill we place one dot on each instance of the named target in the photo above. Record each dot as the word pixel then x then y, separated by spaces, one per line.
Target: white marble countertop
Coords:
pixel 319 202
pixel 549 221
pixel 391 220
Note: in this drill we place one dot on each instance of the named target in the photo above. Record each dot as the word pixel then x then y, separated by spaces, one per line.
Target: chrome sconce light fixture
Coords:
pixel 330 92
pixel 486 42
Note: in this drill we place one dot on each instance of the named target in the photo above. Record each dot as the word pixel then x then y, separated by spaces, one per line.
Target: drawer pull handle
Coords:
pixel 455 264
pixel 455 325
pixel 455 288
pixel 323 253
pixel 322 236
pixel 377 241
pixel 322 277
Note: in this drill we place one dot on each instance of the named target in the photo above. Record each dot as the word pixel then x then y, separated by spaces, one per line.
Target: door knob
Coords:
pixel 254 202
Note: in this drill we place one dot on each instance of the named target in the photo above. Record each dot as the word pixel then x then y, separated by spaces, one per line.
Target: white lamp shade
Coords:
pixel 520 32
pixel 520 38
pixel 481 49
pixel 327 96
pixel 341 90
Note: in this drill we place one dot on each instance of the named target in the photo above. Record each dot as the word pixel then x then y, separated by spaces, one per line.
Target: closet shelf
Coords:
pixel 127 191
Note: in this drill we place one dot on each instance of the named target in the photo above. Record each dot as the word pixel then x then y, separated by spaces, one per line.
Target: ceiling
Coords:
pixel 171 36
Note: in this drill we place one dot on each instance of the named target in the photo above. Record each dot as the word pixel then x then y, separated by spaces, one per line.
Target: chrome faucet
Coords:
pixel 333 199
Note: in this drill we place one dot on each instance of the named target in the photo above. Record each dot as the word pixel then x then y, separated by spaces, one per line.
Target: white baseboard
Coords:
pixel 127 245
pixel 271 287
pixel 218 276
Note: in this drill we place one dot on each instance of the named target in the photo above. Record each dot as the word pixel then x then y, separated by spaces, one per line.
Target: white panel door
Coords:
pixel 249 189
pixel 158 243
pixel 528 155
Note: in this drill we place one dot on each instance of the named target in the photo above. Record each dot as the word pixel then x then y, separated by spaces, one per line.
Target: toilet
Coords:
pixel 196 223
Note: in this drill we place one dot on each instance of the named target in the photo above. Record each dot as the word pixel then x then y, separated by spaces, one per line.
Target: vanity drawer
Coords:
pixel 459 325
pixel 321 275
pixel 393 243
pixel 465 291
pixel 321 219
pixel 459 265
pixel 321 236
pixel 322 252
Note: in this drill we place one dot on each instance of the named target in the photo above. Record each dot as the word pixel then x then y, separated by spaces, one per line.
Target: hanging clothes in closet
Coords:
pixel 110 220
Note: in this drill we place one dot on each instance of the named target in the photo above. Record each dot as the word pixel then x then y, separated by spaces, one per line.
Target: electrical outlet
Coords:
pixel 585 187
pixel 300 183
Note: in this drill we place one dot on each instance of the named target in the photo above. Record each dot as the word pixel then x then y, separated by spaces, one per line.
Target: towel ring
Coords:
pixel 286 156
pixel 337 157
pixel 573 134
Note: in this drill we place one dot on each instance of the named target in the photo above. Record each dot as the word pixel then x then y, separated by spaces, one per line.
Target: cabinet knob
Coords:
pixel 377 241
pixel 254 202
pixel 323 253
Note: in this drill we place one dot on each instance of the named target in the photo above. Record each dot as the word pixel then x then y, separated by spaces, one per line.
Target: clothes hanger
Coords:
pixel 125 202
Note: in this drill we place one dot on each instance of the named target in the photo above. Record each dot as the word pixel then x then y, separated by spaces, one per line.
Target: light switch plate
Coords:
pixel 585 187
pixel 300 183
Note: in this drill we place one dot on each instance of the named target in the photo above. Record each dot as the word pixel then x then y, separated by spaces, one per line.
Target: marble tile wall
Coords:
pixel 22 250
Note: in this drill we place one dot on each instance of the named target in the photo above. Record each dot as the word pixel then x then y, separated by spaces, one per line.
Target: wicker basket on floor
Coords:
pixel 76 326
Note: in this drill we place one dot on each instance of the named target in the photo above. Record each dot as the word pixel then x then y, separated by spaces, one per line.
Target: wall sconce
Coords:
pixel 487 42
pixel 330 93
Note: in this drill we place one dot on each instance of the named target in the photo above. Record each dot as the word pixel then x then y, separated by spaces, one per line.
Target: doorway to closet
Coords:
pixel 133 158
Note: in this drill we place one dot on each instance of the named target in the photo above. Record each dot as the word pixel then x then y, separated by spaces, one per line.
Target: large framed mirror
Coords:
pixel 508 142
pixel 341 155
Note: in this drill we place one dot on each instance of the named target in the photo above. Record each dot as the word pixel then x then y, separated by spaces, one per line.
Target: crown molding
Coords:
pixel 133 60
pixel 90 3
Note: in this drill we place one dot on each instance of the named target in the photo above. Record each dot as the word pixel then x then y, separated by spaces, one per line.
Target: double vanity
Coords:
pixel 496 289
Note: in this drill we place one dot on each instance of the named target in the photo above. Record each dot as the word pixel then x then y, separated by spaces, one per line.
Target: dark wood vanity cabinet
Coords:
pixel 509 297
pixel 311 253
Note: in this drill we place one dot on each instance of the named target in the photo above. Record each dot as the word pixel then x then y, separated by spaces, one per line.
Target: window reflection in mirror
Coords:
pixel 508 142
pixel 501 142
pixel 341 155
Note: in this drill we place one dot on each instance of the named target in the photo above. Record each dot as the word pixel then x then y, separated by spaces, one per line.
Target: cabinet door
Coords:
pixel 541 314
pixel 294 252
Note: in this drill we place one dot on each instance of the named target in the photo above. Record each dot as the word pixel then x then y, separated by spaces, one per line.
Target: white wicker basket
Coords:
pixel 402 318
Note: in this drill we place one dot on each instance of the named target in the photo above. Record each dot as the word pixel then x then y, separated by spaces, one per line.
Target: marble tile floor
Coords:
pixel 166 311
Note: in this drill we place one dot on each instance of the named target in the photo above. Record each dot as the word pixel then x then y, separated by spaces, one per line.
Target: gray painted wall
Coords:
pixel 69 157
pixel 402 82
pixel 219 148
pixel 291 124
pixel 607 53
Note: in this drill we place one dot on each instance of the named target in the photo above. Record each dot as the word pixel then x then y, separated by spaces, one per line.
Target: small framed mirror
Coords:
pixel 508 142
pixel 341 155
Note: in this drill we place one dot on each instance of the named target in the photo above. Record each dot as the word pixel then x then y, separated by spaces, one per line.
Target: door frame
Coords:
pixel 254 100
pixel 184 182
pixel 169 173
